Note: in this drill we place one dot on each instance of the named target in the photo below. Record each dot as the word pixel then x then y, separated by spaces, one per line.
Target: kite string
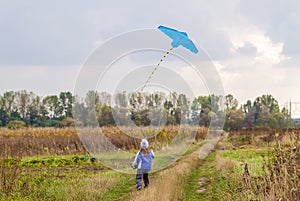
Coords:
pixel 149 78
pixel 155 69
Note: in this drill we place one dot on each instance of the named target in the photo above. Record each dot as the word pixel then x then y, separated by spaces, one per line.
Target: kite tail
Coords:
pixel 148 79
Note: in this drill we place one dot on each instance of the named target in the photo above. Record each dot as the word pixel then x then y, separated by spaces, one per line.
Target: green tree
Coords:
pixel 182 111
pixel 106 116
pixel 3 117
pixel 7 103
pixel 249 112
pixel 267 108
pixel 65 104
pixel 36 112
pixel 231 103
pixel 22 99
pixel 201 107
pixel 206 103
pixel 121 99
pixel 51 105
pixel 195 112
pixel 81 113
pixel 270 102
pixel 234 118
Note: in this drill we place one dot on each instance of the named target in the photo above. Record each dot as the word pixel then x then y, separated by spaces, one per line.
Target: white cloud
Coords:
pixel 41 42
pixel 248 78
pixel 267 50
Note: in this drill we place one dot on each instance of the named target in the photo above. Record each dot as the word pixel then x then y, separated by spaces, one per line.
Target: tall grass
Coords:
pixel 66 141
pixel 39 141
pixel 282 171
pixel 276 178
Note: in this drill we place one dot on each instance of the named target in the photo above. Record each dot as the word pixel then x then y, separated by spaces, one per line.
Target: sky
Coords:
pixel 253 44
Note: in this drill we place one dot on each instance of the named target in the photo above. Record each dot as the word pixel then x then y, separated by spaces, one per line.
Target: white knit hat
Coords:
pixel 144 144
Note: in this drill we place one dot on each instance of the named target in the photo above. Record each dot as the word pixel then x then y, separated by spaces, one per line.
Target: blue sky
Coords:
pixel 253 44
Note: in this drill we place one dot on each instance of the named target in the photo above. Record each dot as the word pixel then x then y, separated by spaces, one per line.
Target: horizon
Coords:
pixel 295 114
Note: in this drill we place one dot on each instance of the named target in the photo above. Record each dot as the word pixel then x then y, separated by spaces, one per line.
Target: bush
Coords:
pixel 16 124
pixel 67 122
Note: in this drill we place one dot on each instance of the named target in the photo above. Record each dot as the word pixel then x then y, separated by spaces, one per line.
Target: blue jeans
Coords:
pixel 141 173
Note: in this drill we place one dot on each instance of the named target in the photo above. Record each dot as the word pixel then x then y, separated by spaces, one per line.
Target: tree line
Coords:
pixel 23 108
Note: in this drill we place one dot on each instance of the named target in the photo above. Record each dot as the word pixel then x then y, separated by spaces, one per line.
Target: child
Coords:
pixel 143 163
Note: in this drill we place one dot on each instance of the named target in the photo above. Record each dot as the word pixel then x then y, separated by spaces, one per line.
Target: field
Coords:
pixel 52 164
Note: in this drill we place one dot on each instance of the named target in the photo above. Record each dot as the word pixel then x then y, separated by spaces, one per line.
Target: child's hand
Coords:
pixel 133 167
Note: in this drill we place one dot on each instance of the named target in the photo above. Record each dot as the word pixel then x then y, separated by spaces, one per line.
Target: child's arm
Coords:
pixel 152 153
pixel 136 160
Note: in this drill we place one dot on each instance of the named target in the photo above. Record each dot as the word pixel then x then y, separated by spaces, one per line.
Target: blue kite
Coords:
pixel 179 38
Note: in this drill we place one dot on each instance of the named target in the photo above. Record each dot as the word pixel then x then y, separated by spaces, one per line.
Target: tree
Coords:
pixel 3 117
pixel 36 112
pixel 91 99
pixel 7 103
pixel 51 105
pixel 209 109
pixel 205 117
pixel 65 104
pixel 264 117
pixel 158 98
pixel 105 98
pixel 106 116
pixel 270 102
pixel 22 99
pixel 230 102
pixel 182 109
pixel 195 112
pixel 249 112
pixel 247 107
pixel 80 113
pixel 266 107
pixel 214 103
pixel 201 107
pixel 121 99
pixel 234 119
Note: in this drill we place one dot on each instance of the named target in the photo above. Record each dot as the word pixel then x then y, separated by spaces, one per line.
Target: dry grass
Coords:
pixel 225 165
pixel 279 178
pixel 39 141
pixel 66 141
pixel 283 171
pixel 91 189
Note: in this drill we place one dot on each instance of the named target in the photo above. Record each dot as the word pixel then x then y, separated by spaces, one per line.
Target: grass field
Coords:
pixel 246 165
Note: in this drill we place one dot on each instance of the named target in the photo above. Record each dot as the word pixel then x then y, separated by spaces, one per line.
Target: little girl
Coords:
pixel 143 163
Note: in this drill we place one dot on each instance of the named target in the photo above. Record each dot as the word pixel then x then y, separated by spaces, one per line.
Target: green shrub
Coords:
pixel 16 124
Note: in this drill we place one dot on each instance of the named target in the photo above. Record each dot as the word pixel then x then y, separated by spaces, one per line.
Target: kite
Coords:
pixel 179 38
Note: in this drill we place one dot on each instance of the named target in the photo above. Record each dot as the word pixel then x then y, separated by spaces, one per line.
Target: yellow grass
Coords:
pixel 225 164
